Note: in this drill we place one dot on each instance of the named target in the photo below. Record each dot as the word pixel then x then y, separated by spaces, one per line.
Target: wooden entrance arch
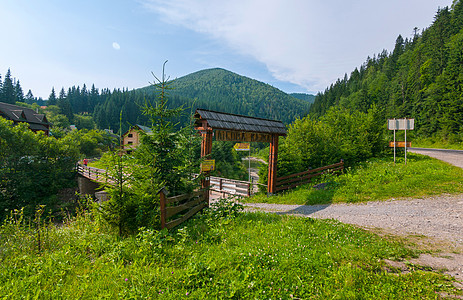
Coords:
pixel 238 128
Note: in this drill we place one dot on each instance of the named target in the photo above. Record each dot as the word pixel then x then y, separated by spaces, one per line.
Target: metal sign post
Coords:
pixel 405 141
pixel 394 144
pixel 401 124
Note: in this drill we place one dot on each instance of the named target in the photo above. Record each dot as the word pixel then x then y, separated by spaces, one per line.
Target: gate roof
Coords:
pixel 226 121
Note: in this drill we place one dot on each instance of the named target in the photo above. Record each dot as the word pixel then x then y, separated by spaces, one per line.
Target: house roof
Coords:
pixel 144 128
pixel 226 121
pixel 139 127
pixel 22 114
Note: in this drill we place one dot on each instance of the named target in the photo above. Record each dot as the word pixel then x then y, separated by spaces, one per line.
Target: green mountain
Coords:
pixel 225 91
pixel 303 96
pixel 421 78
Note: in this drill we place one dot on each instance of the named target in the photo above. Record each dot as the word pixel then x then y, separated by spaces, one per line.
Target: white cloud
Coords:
pixel 307 42
pixel 116 46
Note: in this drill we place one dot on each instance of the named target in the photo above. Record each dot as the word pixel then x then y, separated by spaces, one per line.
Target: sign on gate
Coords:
pixel 238 136
pixel 242 146
pixel 208 165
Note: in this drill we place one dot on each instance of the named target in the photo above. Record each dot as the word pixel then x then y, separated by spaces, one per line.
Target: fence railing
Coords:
pixel 233 187
pixel 176 210
pixel 294 180
pixel 92 173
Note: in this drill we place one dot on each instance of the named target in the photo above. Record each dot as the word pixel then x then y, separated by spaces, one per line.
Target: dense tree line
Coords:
pixel 421 78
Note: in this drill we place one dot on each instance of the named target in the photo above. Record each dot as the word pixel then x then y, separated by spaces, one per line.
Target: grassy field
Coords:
pixel 378 179
pixel 221 253
pixel 437 143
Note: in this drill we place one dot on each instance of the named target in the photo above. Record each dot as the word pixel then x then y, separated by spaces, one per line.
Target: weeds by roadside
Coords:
pixel 221 253
pixel 378 179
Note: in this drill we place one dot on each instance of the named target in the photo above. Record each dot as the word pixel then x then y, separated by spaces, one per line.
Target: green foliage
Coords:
pixel 421 79
pixel 162 160
pixel 90 143
pixel 228 161
pixel 378 179
pixel 215 255
pixel 33 167
pixel 339 134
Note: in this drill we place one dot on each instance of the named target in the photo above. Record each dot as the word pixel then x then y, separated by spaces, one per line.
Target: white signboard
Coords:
pixel 401 124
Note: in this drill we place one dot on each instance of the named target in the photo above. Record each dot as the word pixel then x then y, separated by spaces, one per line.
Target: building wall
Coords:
pixel 131 139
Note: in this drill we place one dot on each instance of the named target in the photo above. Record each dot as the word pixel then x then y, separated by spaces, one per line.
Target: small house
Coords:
pixel 131 139
pixel 19 114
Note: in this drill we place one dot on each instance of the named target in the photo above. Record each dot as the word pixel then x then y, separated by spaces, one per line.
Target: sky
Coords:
pixel 294 45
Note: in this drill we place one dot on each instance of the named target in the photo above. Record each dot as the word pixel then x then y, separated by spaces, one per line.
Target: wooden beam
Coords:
pixel 272 164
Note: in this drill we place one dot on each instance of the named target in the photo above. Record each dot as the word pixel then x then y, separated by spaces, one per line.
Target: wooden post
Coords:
pixel 272 165
pixel 162 198
pixel 206 149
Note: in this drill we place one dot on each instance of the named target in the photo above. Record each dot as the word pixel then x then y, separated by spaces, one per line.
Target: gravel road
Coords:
pixel 454 157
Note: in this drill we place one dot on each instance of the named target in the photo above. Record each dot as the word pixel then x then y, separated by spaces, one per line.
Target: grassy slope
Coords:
pixel 437 144
pixel 251 256
pixel 379 179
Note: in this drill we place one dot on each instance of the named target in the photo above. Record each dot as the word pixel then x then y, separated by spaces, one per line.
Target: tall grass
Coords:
pixel 219 254
pixel 378 179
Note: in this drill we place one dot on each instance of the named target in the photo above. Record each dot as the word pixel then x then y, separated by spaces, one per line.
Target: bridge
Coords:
pixel 91 178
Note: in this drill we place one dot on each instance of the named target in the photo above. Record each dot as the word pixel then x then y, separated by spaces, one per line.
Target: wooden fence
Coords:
pixel 176 210
pixel 99 175
pixel 233 187
pixel 294 180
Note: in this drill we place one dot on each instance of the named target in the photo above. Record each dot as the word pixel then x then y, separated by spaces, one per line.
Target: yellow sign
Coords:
pixel 242 147
pixel 238 136
pixel 400 144
pixel 208 165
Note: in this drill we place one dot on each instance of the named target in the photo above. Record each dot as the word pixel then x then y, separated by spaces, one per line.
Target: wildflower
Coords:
pixel 126 279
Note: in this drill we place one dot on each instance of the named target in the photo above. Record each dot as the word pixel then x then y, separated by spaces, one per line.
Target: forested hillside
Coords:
pixel 421 78
pixel 306 97
pixel 222 90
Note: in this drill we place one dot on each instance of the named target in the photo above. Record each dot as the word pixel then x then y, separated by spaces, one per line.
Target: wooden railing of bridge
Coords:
pixel 294 180
pixel 233 187
pixel 99 175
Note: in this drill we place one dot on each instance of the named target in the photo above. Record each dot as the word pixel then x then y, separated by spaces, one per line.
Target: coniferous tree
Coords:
pixel 8 95
pixel 18 91
pixel 30 97
pixel 52 98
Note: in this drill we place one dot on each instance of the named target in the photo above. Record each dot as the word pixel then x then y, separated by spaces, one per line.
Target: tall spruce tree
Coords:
pixel 52 98
pixel 18 91
pixel 7 94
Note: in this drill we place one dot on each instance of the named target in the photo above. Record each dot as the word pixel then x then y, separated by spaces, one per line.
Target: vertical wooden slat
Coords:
pixel 272 164
pixel 162 198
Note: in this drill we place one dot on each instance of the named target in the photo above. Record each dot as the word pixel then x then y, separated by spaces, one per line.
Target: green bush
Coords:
pixel 33 167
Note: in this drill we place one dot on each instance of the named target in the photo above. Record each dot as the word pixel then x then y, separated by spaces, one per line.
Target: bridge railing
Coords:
pixel 233 187
pixel 92 173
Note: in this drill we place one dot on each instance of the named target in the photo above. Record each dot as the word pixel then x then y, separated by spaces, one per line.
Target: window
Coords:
pixel 130 135
pixel 130 143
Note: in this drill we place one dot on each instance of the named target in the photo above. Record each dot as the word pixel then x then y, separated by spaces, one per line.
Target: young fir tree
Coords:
pixel 161 161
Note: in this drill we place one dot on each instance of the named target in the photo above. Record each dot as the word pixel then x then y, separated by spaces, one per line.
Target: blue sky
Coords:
pixel 294 45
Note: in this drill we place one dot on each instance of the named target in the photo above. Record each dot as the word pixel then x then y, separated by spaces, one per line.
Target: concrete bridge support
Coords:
pixel 87 186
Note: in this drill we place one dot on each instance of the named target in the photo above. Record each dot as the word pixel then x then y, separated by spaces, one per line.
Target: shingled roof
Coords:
pixel 226 121
pixel 21 114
